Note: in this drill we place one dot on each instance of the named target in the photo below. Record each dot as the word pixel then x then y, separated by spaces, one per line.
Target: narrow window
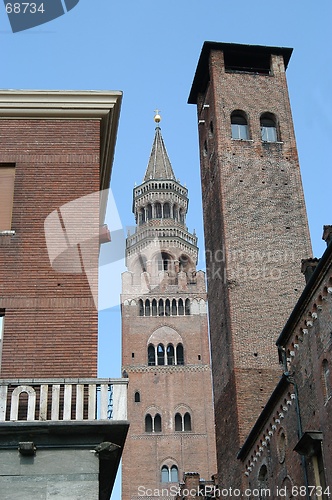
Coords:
pixel 141 307
pixel 174 474
pixel 161 354
pixel 137 397
pixel 167 211
pixel 147 307
pixel 164 474
pixel 179 354
pixel 141 216
pixel 7 177
pixel 170 355
pixel 149 211
pixel 154 307
pixel 181 309
pixel 239 125
pixel 175 213
pixel 167 307
pixel 161 307
pixel 174 308
pixel 157 423
pixel 268 128
pixel 262 481
pixel 326 380
pixel 178 422
pixel 148 423
pixel 151 355
pixel 187 422
pixel 158 210
pixel 187 307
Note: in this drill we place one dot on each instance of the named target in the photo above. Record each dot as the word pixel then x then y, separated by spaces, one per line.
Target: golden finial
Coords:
pixel 157 117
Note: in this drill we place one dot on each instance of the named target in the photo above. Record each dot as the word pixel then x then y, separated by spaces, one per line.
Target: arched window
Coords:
pixel 157 208
pixel 149 211
pixel 187 307
pixel 175 213
pixel 154 307
pixel 178 422
pixel 147 307
pixel 262 481
pixel 174 308
pixel 161 307
pixel 137 397
pixel 141 216
pixel 165 263
pixel 164 474
pixel 179 354
pixel 181 216
pixel 239 125
pixel 151 355
pixel 148 423
pixel 174 474
pixel 170 355
pixel 161 354
pixel 187 422
pixel 326 380
pixel 180 308
pixel 167 211
pixel 141 307
pixel 268 128
pixel 169 475
pixel 157 423
pixel 167 308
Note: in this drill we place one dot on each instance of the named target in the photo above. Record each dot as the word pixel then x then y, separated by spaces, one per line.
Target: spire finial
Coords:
pixel 157 117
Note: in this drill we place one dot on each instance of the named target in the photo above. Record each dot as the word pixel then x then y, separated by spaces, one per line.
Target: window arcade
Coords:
pixel 171 357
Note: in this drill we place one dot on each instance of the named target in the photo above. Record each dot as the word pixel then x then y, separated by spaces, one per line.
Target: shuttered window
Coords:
pixel 7 177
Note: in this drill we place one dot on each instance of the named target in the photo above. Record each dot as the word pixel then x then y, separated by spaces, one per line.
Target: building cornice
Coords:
pixel 70 105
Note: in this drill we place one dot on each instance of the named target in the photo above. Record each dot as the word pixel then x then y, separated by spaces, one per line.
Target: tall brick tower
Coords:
pixel 255 228
pixel 165 350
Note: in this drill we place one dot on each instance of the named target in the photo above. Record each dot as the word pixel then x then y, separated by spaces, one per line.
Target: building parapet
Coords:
pixel 63 399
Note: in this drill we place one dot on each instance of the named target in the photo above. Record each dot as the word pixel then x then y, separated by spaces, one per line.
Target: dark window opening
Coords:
pixel 248 62
pixel 161 354
pixel 174 308
pixel 170 355
pixel 187 422
pixel 167 211
pixel 151 355
pixel 187 307
pixel 157 423
pixel 179 354
pixel 147 307
pixel 167 308
pixel 137 397
pixel 180 308
pixel 158 210
pixel 148 423
pixel 268 128
pixel 141 307
pixel 161 307
pixel 154 307
pixel 178 422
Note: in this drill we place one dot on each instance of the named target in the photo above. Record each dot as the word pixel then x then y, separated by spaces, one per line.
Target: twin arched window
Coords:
pixel 169 474
pixel 240 129
pixel 183 422
pixel 152 424
pixel 157 355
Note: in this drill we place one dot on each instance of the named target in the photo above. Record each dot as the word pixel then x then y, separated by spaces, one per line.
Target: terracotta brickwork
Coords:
pixel 255 230
pixel 295 427
pixel 50 324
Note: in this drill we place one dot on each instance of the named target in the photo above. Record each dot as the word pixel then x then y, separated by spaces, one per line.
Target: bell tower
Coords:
pixel 165 348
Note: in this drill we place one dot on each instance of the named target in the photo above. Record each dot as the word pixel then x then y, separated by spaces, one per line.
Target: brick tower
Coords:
pixel 165 350
pixel 255 228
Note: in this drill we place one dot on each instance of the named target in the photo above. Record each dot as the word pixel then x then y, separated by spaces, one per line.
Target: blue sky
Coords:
pixel 149 50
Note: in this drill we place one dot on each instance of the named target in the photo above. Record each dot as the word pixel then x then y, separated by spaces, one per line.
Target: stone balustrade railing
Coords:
pixel 63 399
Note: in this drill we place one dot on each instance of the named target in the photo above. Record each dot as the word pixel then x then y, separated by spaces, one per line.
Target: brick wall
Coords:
pixel 50 317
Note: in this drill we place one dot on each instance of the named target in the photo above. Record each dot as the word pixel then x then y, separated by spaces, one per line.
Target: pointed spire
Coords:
pixel 159 166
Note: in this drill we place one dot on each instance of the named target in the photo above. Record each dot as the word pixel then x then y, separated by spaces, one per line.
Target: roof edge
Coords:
pixel 202 73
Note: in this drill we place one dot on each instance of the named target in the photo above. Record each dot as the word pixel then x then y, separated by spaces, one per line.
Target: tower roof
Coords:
pixel 159 166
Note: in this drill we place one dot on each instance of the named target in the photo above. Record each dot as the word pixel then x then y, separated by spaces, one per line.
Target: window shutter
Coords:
pixel 7 177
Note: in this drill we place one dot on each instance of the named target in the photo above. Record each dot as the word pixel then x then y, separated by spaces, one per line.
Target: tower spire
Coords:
pixel 159 165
